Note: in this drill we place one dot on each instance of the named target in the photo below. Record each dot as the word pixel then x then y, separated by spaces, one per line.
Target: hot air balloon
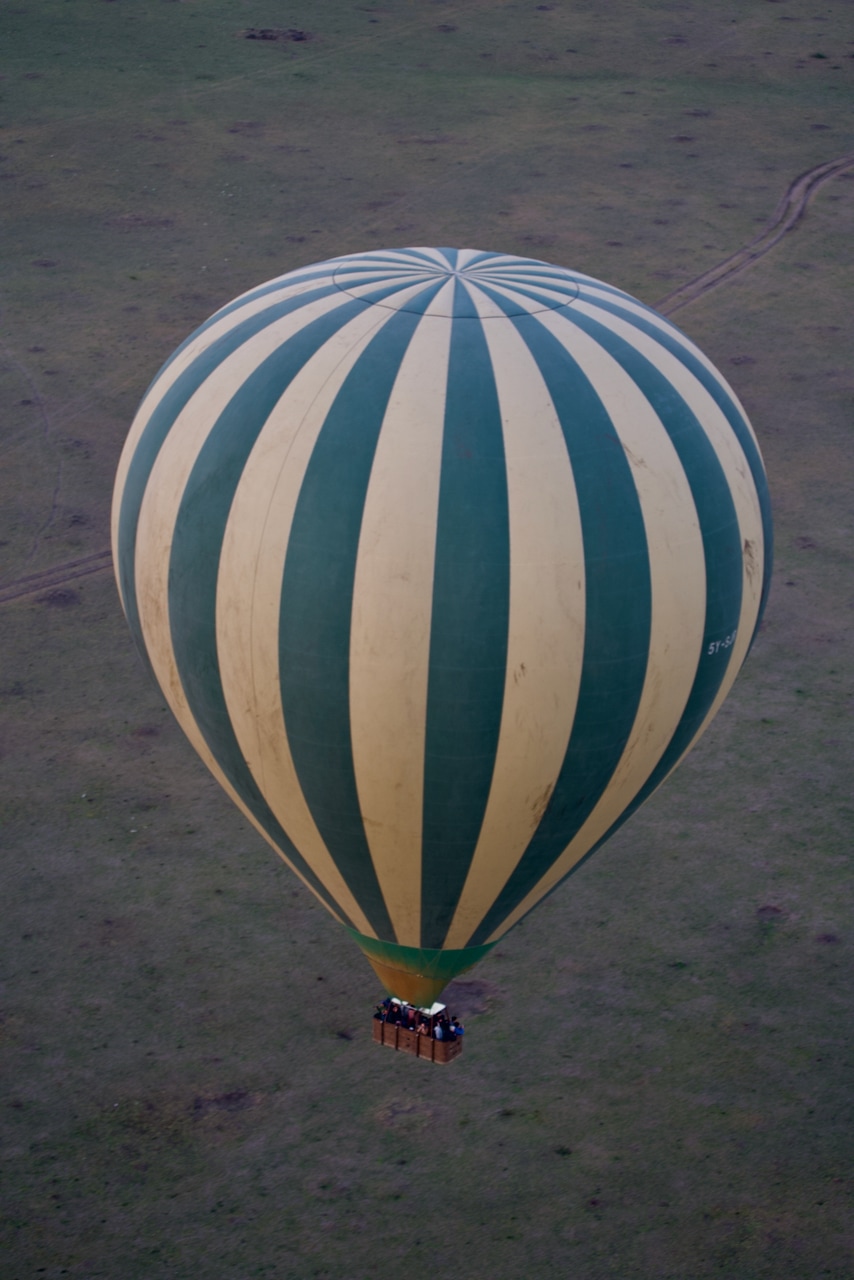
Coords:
pixel 443 560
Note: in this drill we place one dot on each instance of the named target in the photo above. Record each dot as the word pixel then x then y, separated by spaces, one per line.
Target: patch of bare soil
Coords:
pixel 277 33
pixel 406 1114
pixel 135 221
pixel 540 241
pixel 234 1100
pixel 63 598
pixel 433 141
pixel 113 931
pixel 467 999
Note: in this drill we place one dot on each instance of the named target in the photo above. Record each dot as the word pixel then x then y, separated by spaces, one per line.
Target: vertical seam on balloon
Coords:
pixel 528 664
pixel 297 579
pixel 729 466
pixel 379 318
pixel 623 771
pixel 672 339
pixel 181 391
pixel 456 588
pixel 548 840
pixel 381 798
pixel 266 339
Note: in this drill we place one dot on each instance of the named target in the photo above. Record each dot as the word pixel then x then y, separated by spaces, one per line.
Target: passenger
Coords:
pixel 439 1031
pixel 457 1028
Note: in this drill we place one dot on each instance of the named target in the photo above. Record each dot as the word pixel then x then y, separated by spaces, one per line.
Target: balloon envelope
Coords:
pixel 443 559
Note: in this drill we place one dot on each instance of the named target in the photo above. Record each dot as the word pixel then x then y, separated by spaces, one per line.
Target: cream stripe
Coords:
pixel 735 467
pixel 379 257
pixel 349 281
pixel 546 624
pixel 392 607
pixel 512 285
pixel 744 497
pixel 465 258
pixel 404 258
pixel 160 507
pixel 667 327
pixel 433 254
pixel 509 289
pixel 524 274
pixel 393 257
pixel 384 273
pixel 169 377
pixel 678 592
pixel 250 583
pixel 171 471
pixel 727 449
pixel 738 653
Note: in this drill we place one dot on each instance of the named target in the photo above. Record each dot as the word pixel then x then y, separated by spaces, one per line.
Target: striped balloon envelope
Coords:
pixel 443 559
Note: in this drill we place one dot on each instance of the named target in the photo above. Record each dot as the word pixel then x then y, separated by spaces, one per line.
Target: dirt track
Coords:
pixel 787 215
pixel 48 579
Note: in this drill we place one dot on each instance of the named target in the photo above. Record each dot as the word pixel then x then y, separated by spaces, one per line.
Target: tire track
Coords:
pixel 58 576
pixel 787 215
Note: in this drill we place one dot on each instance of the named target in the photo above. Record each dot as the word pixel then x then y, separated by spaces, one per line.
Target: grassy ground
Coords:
pixel 655 1084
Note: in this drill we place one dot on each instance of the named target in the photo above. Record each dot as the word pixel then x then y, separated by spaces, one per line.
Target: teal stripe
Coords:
pixel 480 259
pixel 436 964
pixel 721 543
pixel 316 607
pixel 533 291
pixel 160 424
pixel 717 389
pixel 170 406
pixel 707 480
pixel 397 274
pixel 529 274
pixel 428 258
pixel 575 287
pixel 194 563
pixel 587 284
pixel 383 261
pixel 468 643
pixel 617 615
